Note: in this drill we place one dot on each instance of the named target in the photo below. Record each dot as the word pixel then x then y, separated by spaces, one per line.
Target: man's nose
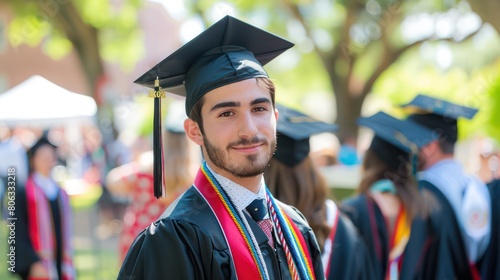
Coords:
pixel 248 126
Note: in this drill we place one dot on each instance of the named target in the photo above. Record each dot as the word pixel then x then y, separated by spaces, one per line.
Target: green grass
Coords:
pixel 93 259
pixel 93 265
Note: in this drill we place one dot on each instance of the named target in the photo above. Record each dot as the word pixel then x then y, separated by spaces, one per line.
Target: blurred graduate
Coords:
pixel 388 198
pixel 489 265
pixel 293 178
pixel 227 225
pixel 459 240
pixel 43 220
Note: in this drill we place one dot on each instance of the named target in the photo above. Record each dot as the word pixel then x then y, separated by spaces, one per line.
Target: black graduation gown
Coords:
pixel 370 223
pixel 489 264
pixel 189 244
pixel 435 249
pixel 25 253
pixel 349 257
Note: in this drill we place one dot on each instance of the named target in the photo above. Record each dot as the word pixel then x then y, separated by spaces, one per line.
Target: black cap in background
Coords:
pixel 396 140
pixel 293 132
pixel 438 115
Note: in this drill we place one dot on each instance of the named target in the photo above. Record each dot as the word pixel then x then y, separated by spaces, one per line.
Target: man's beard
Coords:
pixel 253 166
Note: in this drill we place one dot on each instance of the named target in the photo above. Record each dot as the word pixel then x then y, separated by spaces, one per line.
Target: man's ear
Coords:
pixel 193 131
pixel 430 149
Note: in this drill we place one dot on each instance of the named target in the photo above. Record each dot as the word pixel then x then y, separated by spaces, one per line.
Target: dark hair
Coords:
pixel 31 153
pixel 374 169
pixel 447 147
pixel 195 113
pixel 304 187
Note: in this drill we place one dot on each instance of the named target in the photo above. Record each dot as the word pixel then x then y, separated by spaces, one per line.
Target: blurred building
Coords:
pixel 19 63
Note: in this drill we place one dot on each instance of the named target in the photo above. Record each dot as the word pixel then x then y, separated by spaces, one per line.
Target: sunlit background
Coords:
pixel 350 58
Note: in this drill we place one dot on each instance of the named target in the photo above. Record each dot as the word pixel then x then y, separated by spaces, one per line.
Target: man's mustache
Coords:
pixel 246 142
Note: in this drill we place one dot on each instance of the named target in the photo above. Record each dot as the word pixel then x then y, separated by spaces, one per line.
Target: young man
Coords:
pixel 227 225
pixel 454 241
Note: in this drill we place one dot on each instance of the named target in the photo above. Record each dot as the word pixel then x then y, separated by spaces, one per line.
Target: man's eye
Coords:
pixel 260 109
pixel 226 114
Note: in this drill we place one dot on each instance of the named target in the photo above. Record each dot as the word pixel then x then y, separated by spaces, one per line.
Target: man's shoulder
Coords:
pixel 189 207
pixel 494 187
pixel 442 218
pixel 433 190
pixel 494 190
pixel 189 216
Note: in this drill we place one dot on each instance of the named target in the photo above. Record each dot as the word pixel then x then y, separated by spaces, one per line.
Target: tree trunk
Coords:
pixel 348 106
pixel 84 38
pixel 488 11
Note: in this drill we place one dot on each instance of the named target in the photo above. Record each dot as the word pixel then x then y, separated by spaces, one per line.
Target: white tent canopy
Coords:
pixel 39 102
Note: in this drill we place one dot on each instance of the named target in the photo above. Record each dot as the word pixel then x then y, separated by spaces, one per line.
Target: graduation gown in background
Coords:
pixel 349 258
pixel 367 217
pixel 188 243
pixel 26 254
pixel 489 264
pixel 435 249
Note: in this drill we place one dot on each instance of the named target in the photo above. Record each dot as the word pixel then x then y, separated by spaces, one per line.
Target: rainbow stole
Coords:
pixel 293 238
pixel 245 254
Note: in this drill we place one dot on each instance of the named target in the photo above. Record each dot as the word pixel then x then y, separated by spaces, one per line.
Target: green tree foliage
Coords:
pixel 345 46
pixel 468 84
pixel 95 29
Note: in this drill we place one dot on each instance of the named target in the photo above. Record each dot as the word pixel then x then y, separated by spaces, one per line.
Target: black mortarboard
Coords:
pixel 293 132
pixel 395 140
pixel 438 115
pixel 227 52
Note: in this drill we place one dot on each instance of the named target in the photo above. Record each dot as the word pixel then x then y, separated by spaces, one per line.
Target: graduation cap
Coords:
pixel 438 115
pixel 396 141
pixel 227 52
pixel 293 132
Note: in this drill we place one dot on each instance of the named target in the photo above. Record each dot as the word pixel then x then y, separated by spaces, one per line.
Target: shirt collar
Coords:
pixel 48 185
pixel 239 195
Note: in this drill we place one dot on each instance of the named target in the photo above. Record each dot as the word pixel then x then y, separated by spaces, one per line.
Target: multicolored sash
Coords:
pixel 292 240
pixel 400 236
pixel 246 255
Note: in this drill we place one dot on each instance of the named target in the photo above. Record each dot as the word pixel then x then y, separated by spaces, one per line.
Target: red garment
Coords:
pixel 41 230
pixel 143 209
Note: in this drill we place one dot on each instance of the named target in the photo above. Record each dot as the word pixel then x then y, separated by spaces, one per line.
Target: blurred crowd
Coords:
pixel 122 170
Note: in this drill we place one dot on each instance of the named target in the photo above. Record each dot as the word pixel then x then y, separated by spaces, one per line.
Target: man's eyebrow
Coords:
pixel 237 104
pixel 225 105
pixel 260 100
